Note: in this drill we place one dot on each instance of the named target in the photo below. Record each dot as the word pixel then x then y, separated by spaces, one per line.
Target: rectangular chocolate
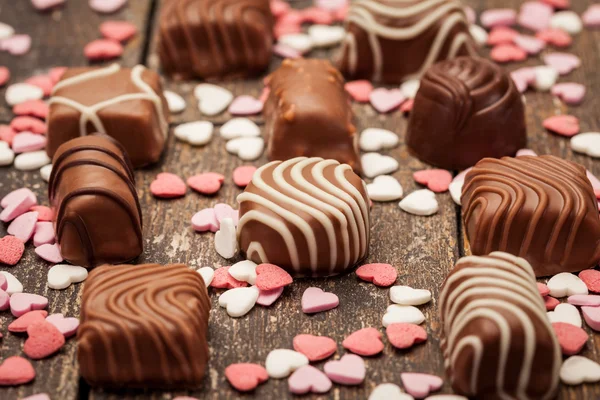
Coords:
pixel 308 114
pixel 124 103
pixel 92 190
pixel 215 38
pixel 144 326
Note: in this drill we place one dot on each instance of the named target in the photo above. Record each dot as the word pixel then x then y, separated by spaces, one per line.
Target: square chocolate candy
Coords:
pixel 124 103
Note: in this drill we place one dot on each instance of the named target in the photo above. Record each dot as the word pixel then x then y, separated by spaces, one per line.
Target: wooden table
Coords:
pixel 423 249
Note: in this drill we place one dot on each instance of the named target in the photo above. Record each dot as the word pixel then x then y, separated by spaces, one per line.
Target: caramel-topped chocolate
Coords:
pixel 308 113
pixel 466 109
pixel 215 38
pixel 144 326
pixel 540 208
pixel 92 190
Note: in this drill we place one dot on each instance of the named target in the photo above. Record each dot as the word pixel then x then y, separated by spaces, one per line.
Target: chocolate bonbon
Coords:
pixel 392 41
pixel 308 113
pixel 124 103
pixel 540 208
pixel 307 215
pixel 466 109
pixel 144 326
pixel 496 337
pixel 215 38
pixel 92 190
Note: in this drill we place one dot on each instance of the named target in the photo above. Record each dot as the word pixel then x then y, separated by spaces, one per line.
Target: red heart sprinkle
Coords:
pixel 565 125
pixel 167 185
pixel 316 348
pixel 120 31
pixel 22 323
pixel 550 303
pixel 507 52
pixel 222 280
pixel 11 250
pixel 270 277
pixel 16 371
pixel 556 37
pixel 364 342
pixel 591 278
pixel 436 180
pixel 206 183
pixel 501 35
pixel 103 49
pixel 403 336
pixel 29 124
pixel 34 108
pixel 242 176
pixel 380 274
pixel 246 377
pixel 44 339
pixel 7 134
pixel 570 337
pixel 44 82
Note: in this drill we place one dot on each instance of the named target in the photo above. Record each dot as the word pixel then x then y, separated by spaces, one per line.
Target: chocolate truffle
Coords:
pixel 466 109
pixel 392 41
pixel 540 208
pixel 308 113
pixel 124 103
pixel 496 338
pixel 143 326
pixel 215 38
pixel 307 215
pixel 92 190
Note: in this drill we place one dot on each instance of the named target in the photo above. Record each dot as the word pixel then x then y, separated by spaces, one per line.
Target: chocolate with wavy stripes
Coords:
pixel 144 326
pixel 466 109
pixel 308 113
pixel 395 40
pixel 307 215
pixel 540 208
pixel 215 38
pixel 98 215
pixel 496 337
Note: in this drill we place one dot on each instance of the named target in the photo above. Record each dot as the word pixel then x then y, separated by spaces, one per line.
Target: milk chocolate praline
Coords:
pixel 466 109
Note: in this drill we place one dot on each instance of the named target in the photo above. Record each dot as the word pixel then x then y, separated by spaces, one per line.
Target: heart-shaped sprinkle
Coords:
pixel 308 379
pixel 268 297
pixel 396 314
pixel 107 6
pixel 420 385
pixel 376 139
pixel 121 31
pixel 570 93
pixel 19 202
pixel 226 239
pixel 420 202
pixel 281 363
pixel 29 124
pixel 25 142
pixel 23 226
pixel 197 133
pixel 504 53
pixel 584 300
pixel 67 326
pixel 3 282
pixel 175 102
pixel 56 73
pixel 359 90
pixel 555 37
pixel 40 396
pixel 212 99
pixel 565 125
pixel 16 371
pixel 587 143
pixel 436 180
pixel 245 377
pixel 22 323
pixel 269 277
pixel 300 42
pixel 571 338
pixel 103 49
pixel 244 271
pixel 566 284
pixel 479 34
pixel 45 172
pixel 245 105
pixel 284 51
pixel 565 313
pixel 576 370
pixel 239 301
pixel 50 253
pixel 32 160
pixel 550 303
pixel 404 335
pixel 246 148
pixel 207 274
pixel 405 295
pixel 348 370
pixel 7 156
pixel 591 315
pixel 21 303
pixel 315 348
pixel 535 15
pixel 375 164
pixel 455 189
pixel 326 36
pixel 14 286
pixel 498 17
pixel 167 186
pixel 389 391
pixel 568 21
pixel 21 92
pixel 545 77
pixel 223 280
pixel 591 16
pixel 4 301
pixel 44 82
pixel 7 134
pixel 385 188
pixel 223 211
pixel 315 300
pixel 501 35
pixel 205 220
pixel 239 127
pixel 242 176
pixel 385 100
pixel 543 289
pixel 364 342
pixel 44 339
pixel 61 276
pixel 16 45
pixel 530 44
pixel 591 278
pixel 44 233
pixel 206 183
pixel 562 62
pixel 33 108
pixel 380 274
pixel 282 28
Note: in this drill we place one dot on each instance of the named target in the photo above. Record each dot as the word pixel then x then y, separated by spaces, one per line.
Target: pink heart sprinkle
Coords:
pixel 543 289
pixel 591 300
pixel 364 342
pixel 331 5
pixel 242 176
pixel 591 277
pixel 16 45
pixel 535 15
pixel 562 62
pixel 33 108
pixel 555 36
pixel 504 53
pixel 22 323
pixel 380 274
pixel 404 335
pixel 28 124
pixel 206 183
pixel 4 76
pixel 205 220
pixel 50 253
pixel 570 93
pixel 270 277
pixel 44 213
pixel 558 4
pixel 223 211
pixel 268 297
pixel 282 28
pixel 245 105
pixel 245 377
pixel 286 51
pixel 315 348
pixel 23 226
pixel 4 301
pixel 498 17
pixel 120 31
pixel 3 282
pixel 309 379
pixel 56 73
pixel 591 17
pixel 348 370
pixel 16 371
pixel 167 186
pixel 523 77
pixel 359 90
pixel 102 49
pixel 315 300
pixel 67 326
pixel 44 234
pixel 591 315
pixel 436 180
pixel 530 44
pixel 46 4
pixel 17 195
pixel 43 340
pixel 565 125
pixel 21 303
pixel 526 152
pixel 11 250
pixel 385 100
pixel 39 396
pixel 420 385
pixel 107 6
pixel 7 134
pixel 25 142
pixel 44 82
pixel 501 35
pixel 223 280
pixel 19 202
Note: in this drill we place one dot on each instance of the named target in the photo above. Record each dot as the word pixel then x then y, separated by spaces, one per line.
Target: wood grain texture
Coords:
pixel 423 249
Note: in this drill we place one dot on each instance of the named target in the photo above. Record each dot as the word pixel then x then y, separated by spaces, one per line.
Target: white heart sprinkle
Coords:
pixel 18 93
pixel 396 314
pixel 32 160
pixel 239 301
pixel 420 202
pixel 568 21
pixel 455 189
pixel 566 313
pixel 45 172
pixel 389 391
pixel 175 102
pixel 407 296
pixel 212 99
pixel 375 139
pixel 61 276
pixel 410 88
pixel 325 35
pixel 6 31
pixel 576 370
pixel 566 284
pixel 7 156
pixel 545 78
pixel 197 133
pixel 239 127
pixel 375 164
pixel 14 285
pixel 587 143
pixel 479 34
pixel 207 274
pixel 300 42
pixel 281 363
pixel 226 239
pixel 246 148
pixel 385 188
pixel 244 271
